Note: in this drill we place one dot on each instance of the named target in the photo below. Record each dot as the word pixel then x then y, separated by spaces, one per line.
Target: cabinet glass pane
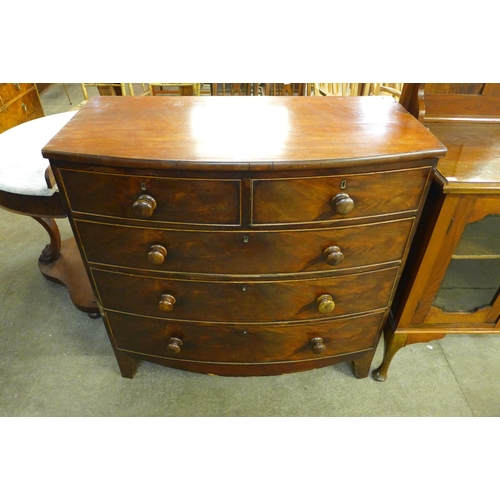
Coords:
pixel 480 239
pixel 472 279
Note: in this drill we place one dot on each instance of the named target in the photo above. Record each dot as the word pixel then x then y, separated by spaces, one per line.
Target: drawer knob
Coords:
pixel 157 254
pixel 325 303
pixel 144 206
pixel 342 203
pixel 317 346
pixel 166 303
pixel 333 255
pixel 174 345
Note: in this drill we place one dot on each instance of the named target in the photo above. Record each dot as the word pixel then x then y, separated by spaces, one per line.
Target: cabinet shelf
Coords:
pixel 475 257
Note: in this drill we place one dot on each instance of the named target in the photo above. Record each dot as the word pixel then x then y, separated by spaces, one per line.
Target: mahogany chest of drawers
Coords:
pixel 243 236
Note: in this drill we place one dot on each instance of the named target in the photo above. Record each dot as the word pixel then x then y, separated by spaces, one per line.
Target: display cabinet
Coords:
pixel 452 280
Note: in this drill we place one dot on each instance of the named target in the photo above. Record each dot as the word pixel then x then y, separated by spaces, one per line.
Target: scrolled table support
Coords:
pixel 52 250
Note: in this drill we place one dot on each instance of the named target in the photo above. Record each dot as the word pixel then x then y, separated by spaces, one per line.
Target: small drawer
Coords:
pixel 244 253
pixel 158 199
pixel 320 199
pixel 245 302
pixel 245 343
pixel 21 110
pixel 10 91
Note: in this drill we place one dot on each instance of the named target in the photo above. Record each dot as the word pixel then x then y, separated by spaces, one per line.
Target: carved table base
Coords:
pixel 68 270
pixel 62 263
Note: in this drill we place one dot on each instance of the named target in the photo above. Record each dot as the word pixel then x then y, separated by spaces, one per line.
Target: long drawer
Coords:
pixel 245 302
pixel 187 201
pixel 244 253
pixel 320 199
pixel 246 344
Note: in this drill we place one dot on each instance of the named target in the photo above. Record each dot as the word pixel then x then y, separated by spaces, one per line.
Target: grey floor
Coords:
pixel 56 361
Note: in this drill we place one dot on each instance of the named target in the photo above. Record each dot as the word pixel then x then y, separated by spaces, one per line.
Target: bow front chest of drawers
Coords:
pixel 243 236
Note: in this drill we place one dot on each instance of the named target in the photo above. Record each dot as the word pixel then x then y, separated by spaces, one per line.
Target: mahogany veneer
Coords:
pixel 244 237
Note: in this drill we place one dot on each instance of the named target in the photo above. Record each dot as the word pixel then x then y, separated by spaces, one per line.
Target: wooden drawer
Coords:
pixel 242 302
pixel 306 200
pixel 21 110
pixel 10 91
pixel 243 253
pixel 189 201
pixel 246 343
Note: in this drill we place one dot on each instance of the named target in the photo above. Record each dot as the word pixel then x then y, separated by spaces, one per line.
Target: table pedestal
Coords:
pixel 61 263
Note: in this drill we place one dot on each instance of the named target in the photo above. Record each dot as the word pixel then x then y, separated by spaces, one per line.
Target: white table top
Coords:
pixel 22 167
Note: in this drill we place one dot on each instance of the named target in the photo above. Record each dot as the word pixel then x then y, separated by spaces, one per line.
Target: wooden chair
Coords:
pixel 290 89
pixel 155 89
pixel 224 89
pixel 340 89
pixel 383 89
pixel 107 89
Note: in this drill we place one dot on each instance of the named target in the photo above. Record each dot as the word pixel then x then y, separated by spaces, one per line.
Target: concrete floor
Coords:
pixel 56 361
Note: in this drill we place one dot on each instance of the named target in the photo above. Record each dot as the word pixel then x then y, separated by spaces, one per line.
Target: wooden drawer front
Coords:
pixel 245 344
pixel 288 201
pixel 9 91
pixel 21 110
pixel 244 253
pixel 188 201
pixel 263 301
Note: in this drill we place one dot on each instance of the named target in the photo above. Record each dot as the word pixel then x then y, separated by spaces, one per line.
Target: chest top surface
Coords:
pixel 243 133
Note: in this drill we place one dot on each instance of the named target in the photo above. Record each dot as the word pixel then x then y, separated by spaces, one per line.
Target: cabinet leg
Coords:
pixel 362 364
pixel 393 343
pixel 126 363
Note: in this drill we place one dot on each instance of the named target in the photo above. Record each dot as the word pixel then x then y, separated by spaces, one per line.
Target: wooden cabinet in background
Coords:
pixel 257 238
pixel 451 283
pixel 19 103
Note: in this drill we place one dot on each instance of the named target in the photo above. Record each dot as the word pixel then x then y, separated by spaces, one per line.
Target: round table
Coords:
pixel 27 187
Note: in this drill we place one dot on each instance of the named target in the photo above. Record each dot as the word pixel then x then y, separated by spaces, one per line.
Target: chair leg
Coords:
pixel 67 94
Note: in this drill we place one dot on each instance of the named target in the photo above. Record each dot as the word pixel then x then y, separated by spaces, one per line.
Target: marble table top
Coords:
pixel 22 167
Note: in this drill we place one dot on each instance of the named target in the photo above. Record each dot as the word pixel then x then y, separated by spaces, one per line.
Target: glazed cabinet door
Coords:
pixel 463 285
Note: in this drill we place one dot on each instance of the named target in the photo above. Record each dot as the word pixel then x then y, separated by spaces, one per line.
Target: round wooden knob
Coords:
pixel 325 303
pixel 157 254
pixel 317 346
pixel 174 345
pixel 342 203
pixel 166 303
pixel 333 255
pixel 144 206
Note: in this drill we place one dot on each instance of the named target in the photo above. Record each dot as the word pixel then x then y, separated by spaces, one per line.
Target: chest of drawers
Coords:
pixel 243 236
pixel 19 103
